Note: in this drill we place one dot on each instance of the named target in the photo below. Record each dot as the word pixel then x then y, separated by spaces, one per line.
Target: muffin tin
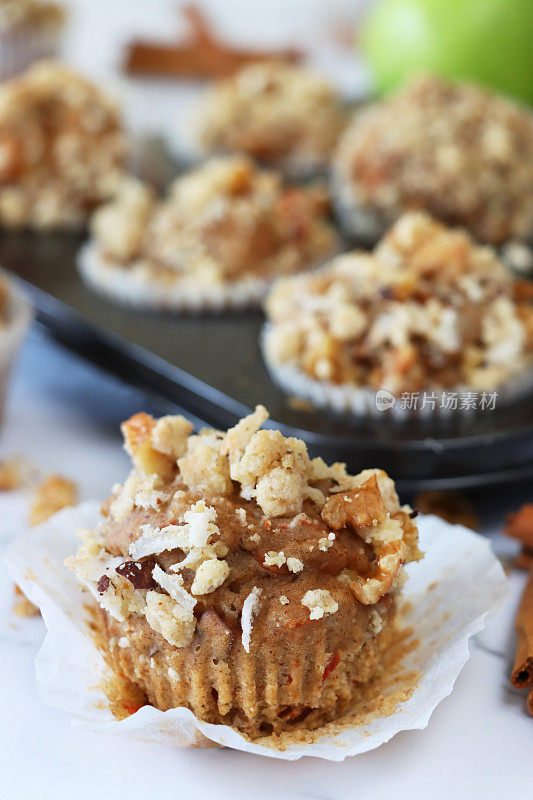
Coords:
pixel 211 368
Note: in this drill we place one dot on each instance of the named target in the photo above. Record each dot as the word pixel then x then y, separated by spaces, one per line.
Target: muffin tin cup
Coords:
pixel 368 402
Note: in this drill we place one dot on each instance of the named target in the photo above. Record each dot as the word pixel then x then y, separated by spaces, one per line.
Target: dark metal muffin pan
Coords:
pixel 211 368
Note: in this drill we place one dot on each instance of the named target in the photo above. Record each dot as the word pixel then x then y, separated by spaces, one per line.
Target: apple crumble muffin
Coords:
pixel 427 310
pixel 62 148
pixel 222 233
pixel 239 578
pixel 457 151
pixel 279 114
pixel 30 30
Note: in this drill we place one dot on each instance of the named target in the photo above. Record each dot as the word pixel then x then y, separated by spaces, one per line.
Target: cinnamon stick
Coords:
pixel 203 55
pixel 522 674
pixel 519 525
pixel 524 559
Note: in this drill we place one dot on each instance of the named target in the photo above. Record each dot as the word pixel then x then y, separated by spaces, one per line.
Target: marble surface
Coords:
pixel 478 742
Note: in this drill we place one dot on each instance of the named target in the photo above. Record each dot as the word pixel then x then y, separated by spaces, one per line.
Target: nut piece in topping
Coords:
pixel 360 508
pixel 319 602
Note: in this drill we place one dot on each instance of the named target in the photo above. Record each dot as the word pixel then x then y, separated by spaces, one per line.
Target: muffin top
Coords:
pixel 61 147
pixel 455 150
pixel 222 222
pixel 30 13
pixel 280 114
pixel 243 524
pixel 427 309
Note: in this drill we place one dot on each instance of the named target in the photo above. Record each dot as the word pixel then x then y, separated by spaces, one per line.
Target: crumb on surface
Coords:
pixel 50 496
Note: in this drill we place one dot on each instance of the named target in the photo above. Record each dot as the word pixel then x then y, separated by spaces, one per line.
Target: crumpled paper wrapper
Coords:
pixel 449 593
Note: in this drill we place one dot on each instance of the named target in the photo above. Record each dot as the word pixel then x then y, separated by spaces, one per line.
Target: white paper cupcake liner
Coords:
pixel 369 402
pixel 21 47
pixel 363 224
pixel 136 289
pixel 449 595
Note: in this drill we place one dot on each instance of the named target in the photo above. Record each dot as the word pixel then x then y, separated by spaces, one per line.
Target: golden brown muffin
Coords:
pixel 241 579
pixel 222 233
pixel 428 309
pixel 457 151
pixel 62 148
pixel 281 115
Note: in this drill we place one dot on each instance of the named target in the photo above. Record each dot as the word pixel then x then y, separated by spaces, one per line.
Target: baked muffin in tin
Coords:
pixel 428 310
pixel 62 149
pixel 457 151
pixel 217 240
pixel 281 115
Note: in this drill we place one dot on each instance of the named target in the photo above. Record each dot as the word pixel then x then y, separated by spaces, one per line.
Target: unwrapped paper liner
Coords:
pixel 450 593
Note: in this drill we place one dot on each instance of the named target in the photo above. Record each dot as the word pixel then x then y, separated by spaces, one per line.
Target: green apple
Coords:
pixel 488 41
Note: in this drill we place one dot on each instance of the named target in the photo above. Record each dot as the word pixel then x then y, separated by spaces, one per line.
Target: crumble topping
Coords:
pixel 319 602
pixel 277 113
pixel 175 622
pixel 273 559
pixel 62 148
pixel 225 221
pixel 250 541
pixel 434 310
pixel 458 151
pixel 209 576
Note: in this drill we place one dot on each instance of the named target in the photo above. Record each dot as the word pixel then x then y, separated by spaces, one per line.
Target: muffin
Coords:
pixel 239 578
pixel 283 116
pixel 457 151
pixel 218 238
pixel 30 30
pixel 427 311
pixel 62 149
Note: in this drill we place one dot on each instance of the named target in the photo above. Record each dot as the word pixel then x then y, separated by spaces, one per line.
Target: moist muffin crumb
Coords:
pixel 238 577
